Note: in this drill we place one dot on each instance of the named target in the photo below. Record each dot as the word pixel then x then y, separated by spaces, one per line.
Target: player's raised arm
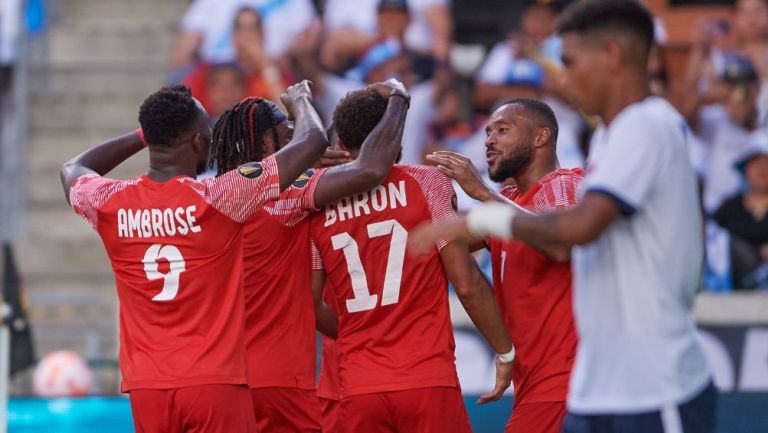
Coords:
pixel 309 141
pixel 377 153
pixel 476 296
pixel 101 158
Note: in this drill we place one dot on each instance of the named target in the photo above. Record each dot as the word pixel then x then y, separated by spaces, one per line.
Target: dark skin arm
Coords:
pixel 460 168
pixel 577 226
pixel 309 141
pixel 325 320
pixel 100 159
pixel 377 154
pixel 476 296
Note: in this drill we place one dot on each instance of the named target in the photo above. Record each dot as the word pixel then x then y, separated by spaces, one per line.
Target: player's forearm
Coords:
pixel 307 146
pixel 325 321
pixel 380 149
pixel 101 158
pixel 480 305
pixel 545 231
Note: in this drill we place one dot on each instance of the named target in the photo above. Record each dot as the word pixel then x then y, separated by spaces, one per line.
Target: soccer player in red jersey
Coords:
pixel 395 338
pixel 532 288
pixel 280 346
pixel 175 245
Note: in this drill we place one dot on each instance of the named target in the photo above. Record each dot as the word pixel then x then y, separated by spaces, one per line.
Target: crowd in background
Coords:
pixel 227 49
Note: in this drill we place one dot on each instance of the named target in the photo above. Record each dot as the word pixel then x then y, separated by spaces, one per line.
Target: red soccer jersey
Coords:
pixel 394 323
pixel 280 314
pixel 534 295
pixel 328 382
pixel 176 252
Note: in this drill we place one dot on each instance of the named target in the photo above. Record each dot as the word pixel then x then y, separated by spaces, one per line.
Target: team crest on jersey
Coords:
pixel 303 179
pixel 251 170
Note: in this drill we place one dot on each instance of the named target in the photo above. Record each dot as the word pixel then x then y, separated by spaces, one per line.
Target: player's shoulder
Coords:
pixel 425 175
pixel 559 189
pixel 648 116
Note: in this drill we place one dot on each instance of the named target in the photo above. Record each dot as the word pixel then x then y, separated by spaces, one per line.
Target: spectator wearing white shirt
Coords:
pixel 638 258
pixel 527 65
pixel 352 26
pixel 206 29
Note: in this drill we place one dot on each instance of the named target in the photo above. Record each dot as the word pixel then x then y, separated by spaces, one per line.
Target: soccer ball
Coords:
pixel 62 373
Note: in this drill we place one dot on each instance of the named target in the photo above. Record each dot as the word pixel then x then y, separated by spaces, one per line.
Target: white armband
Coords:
pixel 492 219
pixel 506 358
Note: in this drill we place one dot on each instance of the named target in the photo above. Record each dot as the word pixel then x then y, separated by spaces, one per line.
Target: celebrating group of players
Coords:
pixel 222 281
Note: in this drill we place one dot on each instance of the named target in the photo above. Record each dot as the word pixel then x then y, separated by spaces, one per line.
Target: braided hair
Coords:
pixel 238 136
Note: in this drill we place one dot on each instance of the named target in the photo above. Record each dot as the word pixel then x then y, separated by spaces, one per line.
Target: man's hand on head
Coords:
pixel 294 93
pixel 389 88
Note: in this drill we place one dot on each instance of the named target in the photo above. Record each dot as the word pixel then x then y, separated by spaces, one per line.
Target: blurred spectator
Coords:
pixel 206 29
pixel 263 76
pixel 726 130
pixel 527 65
pixel 225 86
pixel 354 25
pixel 745 217
pixel 716 42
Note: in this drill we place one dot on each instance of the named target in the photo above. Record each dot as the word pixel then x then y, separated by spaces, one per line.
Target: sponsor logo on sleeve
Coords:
pixel 251 170
pixel 303 179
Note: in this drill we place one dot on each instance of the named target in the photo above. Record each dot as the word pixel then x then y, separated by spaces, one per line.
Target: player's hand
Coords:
pixel 423 238
pixel 333 157
pixel 294 93
pixel 459 167
pixel 503 380
pixel 390 87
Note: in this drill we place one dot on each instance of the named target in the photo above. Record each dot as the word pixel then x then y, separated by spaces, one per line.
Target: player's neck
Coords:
pixel 164 166
pixel 532 174
pixel 624 93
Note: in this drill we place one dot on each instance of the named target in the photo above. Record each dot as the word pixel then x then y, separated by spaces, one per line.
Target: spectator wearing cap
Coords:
pixel 354 25
pixel 527 65
pixel 745 217
pixel 726 130
pixel 263 77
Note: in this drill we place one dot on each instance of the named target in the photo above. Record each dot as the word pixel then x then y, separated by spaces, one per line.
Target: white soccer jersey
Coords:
pixel 634 285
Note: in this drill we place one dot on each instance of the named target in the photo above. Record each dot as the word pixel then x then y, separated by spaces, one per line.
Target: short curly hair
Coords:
pixel 356 116
pixel 167 114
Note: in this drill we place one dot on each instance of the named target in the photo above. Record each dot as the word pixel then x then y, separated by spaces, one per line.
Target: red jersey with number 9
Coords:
pixel 176 252
pixel 394 323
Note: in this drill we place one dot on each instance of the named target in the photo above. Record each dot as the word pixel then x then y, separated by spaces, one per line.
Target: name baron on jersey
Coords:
pixel 145 223
pixel 389 196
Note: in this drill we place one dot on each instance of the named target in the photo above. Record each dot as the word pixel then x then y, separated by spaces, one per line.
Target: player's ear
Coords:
pixel 198 144
pixel 542 137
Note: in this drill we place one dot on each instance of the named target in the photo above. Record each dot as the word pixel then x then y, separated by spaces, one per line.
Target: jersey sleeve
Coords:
pixel 241 192
pixel 89 192
pixel 628 166
pixel 298 201
pixel 438 192
pixel 317 261
pixel 561 192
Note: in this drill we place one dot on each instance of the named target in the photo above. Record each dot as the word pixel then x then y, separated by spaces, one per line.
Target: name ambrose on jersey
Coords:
pixel 388 196
pixel 146 223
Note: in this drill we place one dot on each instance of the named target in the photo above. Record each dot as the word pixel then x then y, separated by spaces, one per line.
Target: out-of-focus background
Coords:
pixel 74 72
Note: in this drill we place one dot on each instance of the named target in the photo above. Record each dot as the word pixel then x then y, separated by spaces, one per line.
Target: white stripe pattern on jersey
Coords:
pixel 89 192
pixel 237 196
pixel 437 190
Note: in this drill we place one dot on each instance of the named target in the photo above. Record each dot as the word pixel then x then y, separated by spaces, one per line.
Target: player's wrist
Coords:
pixel 491 219
pixel 406 98
pixel 140 133
pixel 506 358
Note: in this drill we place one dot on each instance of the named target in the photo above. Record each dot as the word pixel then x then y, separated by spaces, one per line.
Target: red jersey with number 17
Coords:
pixel 394 323
pixel 176 252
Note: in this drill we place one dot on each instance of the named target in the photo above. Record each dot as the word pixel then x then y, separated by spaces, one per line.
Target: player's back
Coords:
pixel 280 320
pixel 394 323
pixel 176 251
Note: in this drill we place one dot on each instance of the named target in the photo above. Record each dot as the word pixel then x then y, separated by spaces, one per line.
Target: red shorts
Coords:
pixel 423 410
pixel 193 409
pixel 331 411
pixel 536 418
pixel 286 410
